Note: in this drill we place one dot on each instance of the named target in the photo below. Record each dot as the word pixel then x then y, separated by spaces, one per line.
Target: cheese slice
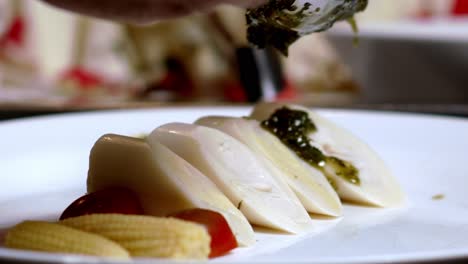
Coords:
pixel 310 185
pixel 378 187
pixel 164 182
pixel 262 196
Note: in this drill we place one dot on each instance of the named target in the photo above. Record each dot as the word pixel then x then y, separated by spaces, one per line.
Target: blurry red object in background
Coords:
pixel 15 33
pixel 460 8
pixel 235 92
pixel 288 92
pixel 84 78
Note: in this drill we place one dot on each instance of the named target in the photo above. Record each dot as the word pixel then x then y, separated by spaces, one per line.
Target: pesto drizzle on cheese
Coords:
pixel 292 127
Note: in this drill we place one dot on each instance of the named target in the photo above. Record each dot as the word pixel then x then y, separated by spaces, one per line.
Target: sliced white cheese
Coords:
pixel 310 185
pixel 164 182
pixel 378 186
pixel 245 179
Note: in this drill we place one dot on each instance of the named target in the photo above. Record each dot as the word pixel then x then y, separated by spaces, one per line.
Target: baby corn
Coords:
pixel 51 237
pixel 147 236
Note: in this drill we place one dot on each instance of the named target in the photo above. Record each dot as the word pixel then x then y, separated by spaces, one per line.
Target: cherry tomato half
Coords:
pixel 222 238
pixel 115 200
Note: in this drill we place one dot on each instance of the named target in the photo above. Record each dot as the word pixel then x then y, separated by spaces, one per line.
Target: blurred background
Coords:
pixel 408 55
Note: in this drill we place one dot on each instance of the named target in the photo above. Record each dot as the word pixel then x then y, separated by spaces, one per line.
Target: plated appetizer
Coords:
pixel 358 173
pixel 309 184
pixel 196 191
pixel 164 183
pixel 249 181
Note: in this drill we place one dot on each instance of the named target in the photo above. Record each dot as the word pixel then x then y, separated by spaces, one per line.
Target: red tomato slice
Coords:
pixel 222 238
pixel 110 200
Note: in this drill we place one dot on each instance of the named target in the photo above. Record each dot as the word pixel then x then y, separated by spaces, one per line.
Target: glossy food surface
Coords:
pixel 222 238
pixel 114 200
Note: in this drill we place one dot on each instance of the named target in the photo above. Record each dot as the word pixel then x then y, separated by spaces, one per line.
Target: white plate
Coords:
pixel 43 165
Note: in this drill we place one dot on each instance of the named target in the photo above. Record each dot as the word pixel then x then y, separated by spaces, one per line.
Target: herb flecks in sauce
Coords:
pixel 292 127
pixel 279 23
pixel 268 25
pixel 344 169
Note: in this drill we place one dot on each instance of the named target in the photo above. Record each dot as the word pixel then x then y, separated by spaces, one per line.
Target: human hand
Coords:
pixel 144 11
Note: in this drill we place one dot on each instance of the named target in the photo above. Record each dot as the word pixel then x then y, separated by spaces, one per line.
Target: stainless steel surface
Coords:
pixel 407 72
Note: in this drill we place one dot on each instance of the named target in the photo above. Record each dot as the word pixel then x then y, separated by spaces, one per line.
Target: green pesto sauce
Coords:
pixel 292 127
pixel 438 197
pixel 279 23
pixel 352 22
pixel 268 25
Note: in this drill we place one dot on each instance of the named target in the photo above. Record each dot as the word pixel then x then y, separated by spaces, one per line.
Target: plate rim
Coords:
pixel 322 110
